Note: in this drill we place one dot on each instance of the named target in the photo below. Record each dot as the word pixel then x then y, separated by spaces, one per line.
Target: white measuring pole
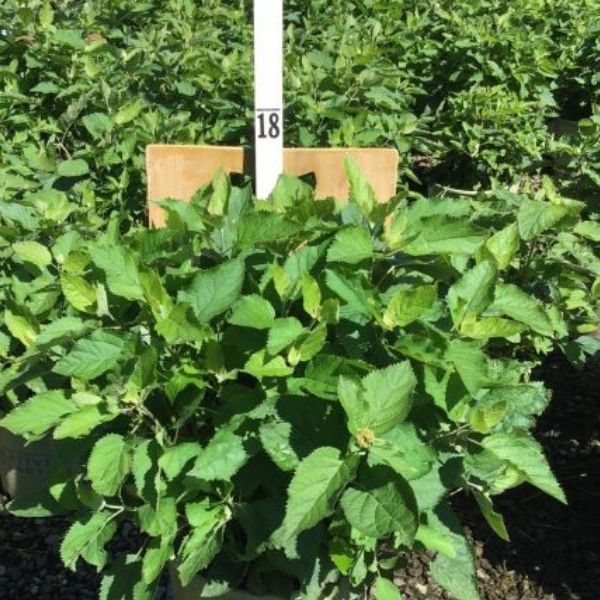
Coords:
pixel 268 94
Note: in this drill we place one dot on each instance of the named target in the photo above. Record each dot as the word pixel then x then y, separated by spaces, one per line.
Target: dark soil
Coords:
pixel 554 553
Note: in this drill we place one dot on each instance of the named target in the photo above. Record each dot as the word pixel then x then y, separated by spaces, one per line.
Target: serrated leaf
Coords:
pixel 403 451
pixel 253 311
pixel 122 275
pixel 124 580
pixel 439 235
pixel 361 191
pixel 98 124
pixel 259 365
pixel 408 305
pixel 109 464
pixel 200 546
pixel 33 252
pixel 38 414
pixel 491 327
pixel 455 574
pixel 91 357
pixel 388 396
pixel 176 458
pixel 283 333
pixel 351 245
pixel 513 302
pixel 213 291
pixel 311 295
pixel 258 228
pixel 382 504
pixel 82 422
pixel 80 294
pixel 22 327
pixel 59 331
pixel 221 459
pixel 589 230
pixel 76 167
pixel 313 491
pixel 535 217
pixel 86 539
pixel 351 291
pixel 472 294
pixel 522 452
pixel 494 519
pixel 275 438
pixel 503 245
pixel 158 552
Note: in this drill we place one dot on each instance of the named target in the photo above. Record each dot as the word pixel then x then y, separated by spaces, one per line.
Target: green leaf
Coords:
pixel 260 366
pixel 109 464
pixel 589 230
pixel 494 519
pixel 382 401
pixel 122 275
pixel 59 331
pixel 221 459
pixel 491 327
pixel 76 167
pixel 265 228
pixel 403 451
pixel 221 191
pixel 513 302
pixel 91 357
pixel 158 552
pixel 79 293
pixel 176 458
pixel 201 545
pixel 439 235
pixel 470 362
pixel 386 590
pixel 351 291
pixel 382 504
pixel 213 291
pixel 311 295
pixel 253 311
pixel 129 111
pixel 275 438
pixel 455 574
pixel 503 245
pixel 408 305
pixel 283 333
pixel 535 217
pixel 21 327
pixel 86 539
pixel 123 580
pixel 33 252
pixel 472 294
pixel 313 491
pixel 361 191
pixel 351 245
pixel 38 414
pixel 82 422
pixel 98 124
pixel 522 452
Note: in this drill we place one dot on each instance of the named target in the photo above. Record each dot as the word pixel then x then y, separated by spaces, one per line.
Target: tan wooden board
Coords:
pixel 178 171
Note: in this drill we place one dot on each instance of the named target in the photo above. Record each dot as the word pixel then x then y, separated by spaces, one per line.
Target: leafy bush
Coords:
pixel 284 395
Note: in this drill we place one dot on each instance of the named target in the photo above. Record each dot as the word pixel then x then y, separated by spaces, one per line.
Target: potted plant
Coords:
pixel 282 395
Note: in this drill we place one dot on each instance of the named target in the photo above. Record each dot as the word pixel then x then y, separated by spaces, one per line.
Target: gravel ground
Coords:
pixel 554 553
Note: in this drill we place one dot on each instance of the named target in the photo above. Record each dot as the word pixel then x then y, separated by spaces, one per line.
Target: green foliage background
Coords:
pixel 467 91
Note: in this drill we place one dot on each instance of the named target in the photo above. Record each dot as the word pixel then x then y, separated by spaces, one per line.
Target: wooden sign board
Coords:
pixel 178 171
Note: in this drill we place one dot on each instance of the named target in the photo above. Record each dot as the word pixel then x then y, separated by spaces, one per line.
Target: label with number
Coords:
pixel 268 94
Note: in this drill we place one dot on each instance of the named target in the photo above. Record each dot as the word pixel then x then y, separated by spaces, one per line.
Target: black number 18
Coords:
pixel 273 131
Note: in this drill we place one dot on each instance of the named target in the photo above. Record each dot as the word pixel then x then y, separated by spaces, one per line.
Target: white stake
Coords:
pixel 268 93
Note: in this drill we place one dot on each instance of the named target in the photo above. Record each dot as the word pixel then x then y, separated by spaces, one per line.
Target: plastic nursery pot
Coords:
pixel 178 171
pixel 193 591
pixel 24 468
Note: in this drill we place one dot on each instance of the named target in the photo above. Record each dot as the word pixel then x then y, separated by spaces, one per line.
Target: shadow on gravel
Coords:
pixel 554 546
